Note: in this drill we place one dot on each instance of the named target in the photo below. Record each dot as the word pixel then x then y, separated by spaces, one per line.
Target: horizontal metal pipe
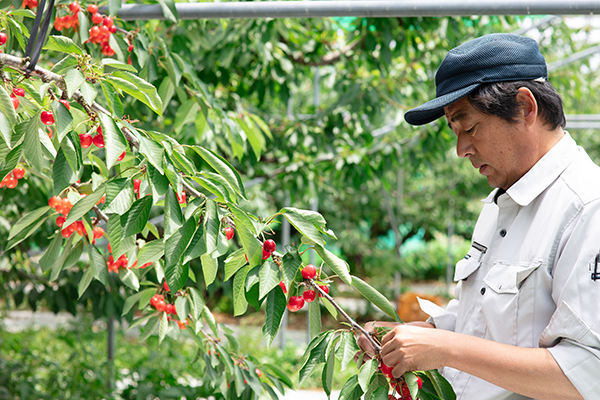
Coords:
pixel 361 8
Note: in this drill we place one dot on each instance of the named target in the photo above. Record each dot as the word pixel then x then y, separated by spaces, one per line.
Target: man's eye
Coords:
pixel 470 130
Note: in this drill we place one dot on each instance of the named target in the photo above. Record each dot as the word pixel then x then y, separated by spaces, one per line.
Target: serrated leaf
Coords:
pixel 51 254
pixel 251 245
pixel 85 281
pixel 58 263
pixel 351 390
pixel 176 275
pixel 337 265
pixel 150 328
pixel 316 356
pixel 129 278
pixel 240 304
pixel 27 220
pixel 182 306
pixel 268 278
pixel 73 79
pixel 136 87
pixel 119 196
pixel 131 300
pixel 186 113
pixel 62 173
pixel 112 97
pixel 116 64
pixel 197 302
pixel 209 268
pixel 176 244
pixel 442 387
pixel 88 91
pixel 234 262
pixel 303 225
pixel 197 246
pixel 173 215
pixel 8 116
pixel 32 149
pixel 243 217
pixel 83 206
pixel 366 372
pixel 291 263
pixel 153 152
pixel 210 320
pixel 115 142
pixel 63 44
pixel 314 315
pixel 25 233
pixel 64 120
pixel 274 310
pixel 327 374
pixel 223 168
pixel 11 160
pixel 375 297
pixel 151 251
pixel 134 220
pixel 347 349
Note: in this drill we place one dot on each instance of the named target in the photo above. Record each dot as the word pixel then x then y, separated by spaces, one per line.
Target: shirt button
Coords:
pixel 482 290
pixel 503 232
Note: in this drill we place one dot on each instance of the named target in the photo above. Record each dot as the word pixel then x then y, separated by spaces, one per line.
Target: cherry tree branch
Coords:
pixel 353 324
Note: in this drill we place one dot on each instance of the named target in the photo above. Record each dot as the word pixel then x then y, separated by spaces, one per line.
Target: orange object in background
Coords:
pixel 409 309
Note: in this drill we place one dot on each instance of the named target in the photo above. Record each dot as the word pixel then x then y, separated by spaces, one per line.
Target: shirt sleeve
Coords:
pixel 572 335
pixel 438 316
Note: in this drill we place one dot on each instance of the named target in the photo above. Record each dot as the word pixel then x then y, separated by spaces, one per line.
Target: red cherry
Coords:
pixel 122 156
pixel 266 255
pixel 166 286
pixel 98 232
pixel 60 221
pixel 182 324
pixel 112 29
pixel 295 303
pixel 181 198
pixel 385 370
pixel 229 232
pixel 108 22
pixel 419 382
pixel 309 272
pixel 86 140
pixel 323 288
pixel 80 227
pixel 245 255
pixel 258 372
pixel 170 308
pixel 65 103
pixel 74 7
pixel 146 265
pixel 161 305
pixel 3 38
pixel 15 101
pixel 136 185
pixel 47 117
pixel 98 140
pixel 309 295
pixel 92 8
pixel 282 286
pixel 54 201
pixel 19 92
pixel 97 18
pixel 10 181
pixel 18 173
pixel 269 245
pixel 130 48
pixel 94 31
pixel 66 233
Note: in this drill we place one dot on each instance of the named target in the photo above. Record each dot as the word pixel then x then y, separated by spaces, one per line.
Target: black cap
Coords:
pixel 499 57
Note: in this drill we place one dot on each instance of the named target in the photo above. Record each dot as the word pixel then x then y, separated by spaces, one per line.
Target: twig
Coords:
pixel 353 324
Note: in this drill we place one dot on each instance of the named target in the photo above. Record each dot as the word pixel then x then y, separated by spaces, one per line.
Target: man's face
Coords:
pixel 500 150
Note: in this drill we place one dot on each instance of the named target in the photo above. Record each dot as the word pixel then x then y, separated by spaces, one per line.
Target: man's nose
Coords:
pixel 464 147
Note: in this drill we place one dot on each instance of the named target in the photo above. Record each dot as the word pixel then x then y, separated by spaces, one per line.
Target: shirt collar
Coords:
pixel 542 174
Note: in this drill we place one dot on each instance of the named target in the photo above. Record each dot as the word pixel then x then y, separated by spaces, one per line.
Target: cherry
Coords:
pixel 170 309
pixel 15 101
pixel 295 303
pixel 47 117
pixel 130 48
pixel 18 173
pixel 10 182
pixel 19 92
pixel 266 255
pixel 122 156
pixel 97 18
pixel 65 103
pixel 323 288
pixel 309 295
pixel 166 286
pixel 385 370
pixel 3 38
pixel 86 140
pixel 54 201
pixel 181 198
pixel 66 233
pixel 419 382
pixel 98 140
pixel 245 255
pixel 269 245
pixel 80 228
pixel 60 221
pixel 136 185
pixel 182 324
pixel 74 7
pixel 258 372
pixel 102 199
pixel 98 232
pixel 282 286
pixel 309 272
pixel 92 8
pixel 161 305
pixel 112 29
pixel 146 265
pixel 50 132
pixel 229 232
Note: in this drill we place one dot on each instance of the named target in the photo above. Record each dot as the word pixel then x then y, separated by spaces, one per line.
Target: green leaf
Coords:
pixel 151 251
pixel 98 265
pixel 442 387
pixel 163 327
pixel 240 304
pixel 129 278
pixel 58 263
pixel 327 374
pixel 210 320
pixel 153 152
pixel 182 306
pixel 197 302
pixel 274 310
pixel 88 91
pixel 175 272
pixel 114 6
pixel 136 87
pixel 131 300
pixel 150 328
pixel 134 220
pixel 316 356
pixel 269 278
pixel 314 315
pixel 243 217
pixel 115 142
pixel 25 233
pixel 337 265
pixel 51 254
pixel 351 390
pixel 116 64
pixel 73 79
pixel 251 245
pixel 27 220
pixel 375 297
pixel 85 281
pixel 223 168
pixel 31 145
pixel 113 100
pixel 186 114
pixel 173 219
pixel 291 263
pixel 347 349
pixel 8 116
pixel 119 196
pixel 366 372
pixel 169 10
pixel 83 206
pixel 209 268
pixel 303 225
pixel 11 160
pixel 234 262
pixel 64 120
pixel 63 44
pixel 62 173
pixel 140 321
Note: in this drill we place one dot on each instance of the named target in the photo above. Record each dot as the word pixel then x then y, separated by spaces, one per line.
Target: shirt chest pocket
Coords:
pixel 507 304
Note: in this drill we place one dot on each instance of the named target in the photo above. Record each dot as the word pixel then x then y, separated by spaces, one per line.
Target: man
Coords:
pixel 526 319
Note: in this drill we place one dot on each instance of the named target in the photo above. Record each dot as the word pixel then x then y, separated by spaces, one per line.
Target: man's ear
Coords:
pixel 529 107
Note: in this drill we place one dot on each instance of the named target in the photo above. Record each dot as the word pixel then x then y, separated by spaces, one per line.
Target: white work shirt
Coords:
pixel 527 279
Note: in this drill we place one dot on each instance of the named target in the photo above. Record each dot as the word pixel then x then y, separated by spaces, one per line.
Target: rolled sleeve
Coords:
pixel 438 316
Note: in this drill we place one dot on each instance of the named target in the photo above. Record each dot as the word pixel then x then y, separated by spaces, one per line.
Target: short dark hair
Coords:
pixel 499 99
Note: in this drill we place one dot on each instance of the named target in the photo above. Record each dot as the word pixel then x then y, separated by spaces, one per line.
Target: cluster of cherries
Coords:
pixel 63 206
pixel 399 386
pixel 29 4
pixel 158 302
pixel 12 179
pixel 69 20
pixel 295 303
pixel 122 261
pixel 101 31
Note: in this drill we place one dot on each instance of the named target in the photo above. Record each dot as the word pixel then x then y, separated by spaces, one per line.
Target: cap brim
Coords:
pixel 434 109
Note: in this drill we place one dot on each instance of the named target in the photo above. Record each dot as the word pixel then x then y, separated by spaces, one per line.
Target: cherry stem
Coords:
pixel 353 324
